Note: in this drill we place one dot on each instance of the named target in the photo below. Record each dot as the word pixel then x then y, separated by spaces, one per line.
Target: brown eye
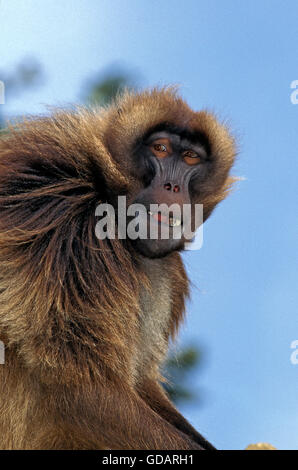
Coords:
pixel 161 148
pixel 190 157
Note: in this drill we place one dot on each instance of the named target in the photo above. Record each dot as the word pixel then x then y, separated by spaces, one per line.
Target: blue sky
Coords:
pixel 238 59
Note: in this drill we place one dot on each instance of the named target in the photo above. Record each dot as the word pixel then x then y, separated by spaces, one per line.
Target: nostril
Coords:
pixel 176 188
pixel 167 186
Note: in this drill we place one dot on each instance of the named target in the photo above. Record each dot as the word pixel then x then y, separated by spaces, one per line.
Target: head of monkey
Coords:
pixel 178 159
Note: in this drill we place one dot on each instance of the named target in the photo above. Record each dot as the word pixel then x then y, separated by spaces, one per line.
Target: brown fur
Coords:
pixel 82 368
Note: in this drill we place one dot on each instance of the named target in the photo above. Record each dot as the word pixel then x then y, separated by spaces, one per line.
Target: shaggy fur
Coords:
pixel 86 322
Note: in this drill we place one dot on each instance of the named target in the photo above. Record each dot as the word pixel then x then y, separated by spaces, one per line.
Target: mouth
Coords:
pixel 165 219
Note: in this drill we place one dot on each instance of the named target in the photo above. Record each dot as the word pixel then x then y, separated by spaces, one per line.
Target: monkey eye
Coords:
pixel 161 148
pixel 191 157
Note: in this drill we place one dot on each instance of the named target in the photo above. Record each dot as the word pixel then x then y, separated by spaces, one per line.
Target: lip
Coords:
pixel 164 219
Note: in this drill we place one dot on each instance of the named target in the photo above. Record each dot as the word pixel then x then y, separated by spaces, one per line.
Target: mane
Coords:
pixel 54 271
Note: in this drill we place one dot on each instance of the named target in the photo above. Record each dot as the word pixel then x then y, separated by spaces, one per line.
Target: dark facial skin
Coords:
pixel 170 163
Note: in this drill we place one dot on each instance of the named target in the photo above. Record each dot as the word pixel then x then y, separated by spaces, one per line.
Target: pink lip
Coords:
pixel 160 218
pixel 163 219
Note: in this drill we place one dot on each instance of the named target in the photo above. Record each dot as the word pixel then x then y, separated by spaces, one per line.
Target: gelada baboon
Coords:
pixel 86 321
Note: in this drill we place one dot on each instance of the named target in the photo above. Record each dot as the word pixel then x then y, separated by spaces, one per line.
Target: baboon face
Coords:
pixel 171 163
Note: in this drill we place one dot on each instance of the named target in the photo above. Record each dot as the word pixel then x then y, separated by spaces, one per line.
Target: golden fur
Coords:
pixel 81 368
